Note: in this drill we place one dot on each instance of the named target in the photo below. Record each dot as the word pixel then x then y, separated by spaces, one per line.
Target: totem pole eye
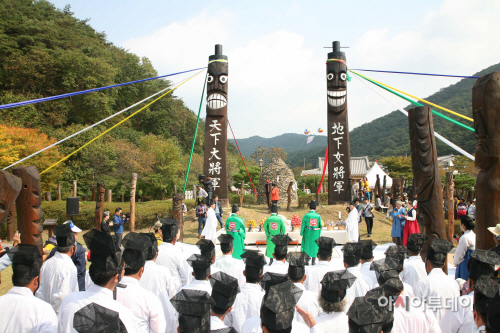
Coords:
pixel 343 76
pixel 210 78
pixel 223 79
pixel 330 76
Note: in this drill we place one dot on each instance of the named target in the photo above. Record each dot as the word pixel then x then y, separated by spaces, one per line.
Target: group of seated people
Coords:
pixel 151 288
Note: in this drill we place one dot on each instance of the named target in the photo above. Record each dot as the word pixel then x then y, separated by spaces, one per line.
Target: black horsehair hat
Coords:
pixel 254 263
pixel 235 208
pixel 278 307
pixel 104 254
pixel 438 250
pixel 169 228
pixel 281 243
pixel 96 318
pixel 325 245
pixel 353 250
pixel 333 283
pixel 367 249
pixel 207 248
pixel 153 249
pixel 136 249
pixel 26 261
pixel 416 241
pixel 64 236
pixel 193 307
pixel 297 262
pixel 224 289
pixel 272 279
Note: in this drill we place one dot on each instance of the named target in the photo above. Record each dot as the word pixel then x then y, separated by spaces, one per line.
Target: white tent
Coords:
pixel 372 177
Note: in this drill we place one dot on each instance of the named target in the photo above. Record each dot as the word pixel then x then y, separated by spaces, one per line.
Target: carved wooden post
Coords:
pixel 11 226
pixel 289 193
pixel 339 169
pixel 384 186
pixel 177 213
pixel 486 111
pixel 99 204
pixel 241 194
pixel 132 202
pixel 74 189
pixel 377 186
pixel 450 190
pixel 396 190
pixel 123 197
pixel 48 196
pixel 426 177
pixel 93 192
pixel 58 191
pixel 470 195
pixel 215 163
pixel 175 189
pixel 163 194
pixel 316 190
pixel 10 186
pixel 109 196
pixel 28 206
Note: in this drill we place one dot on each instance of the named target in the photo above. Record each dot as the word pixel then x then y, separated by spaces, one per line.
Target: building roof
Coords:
pixel 359 167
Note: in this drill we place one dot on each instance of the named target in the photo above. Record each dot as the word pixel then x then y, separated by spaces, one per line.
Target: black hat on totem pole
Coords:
pixel 104 254
pixel 194 308
pixel 64 236
pixel 416 242
pixel 272 279
pixel 278 307
pixel 274 208
pixel 334 285
pixel 169 228
pixel 96 318
pixel 224 289
pixel 153 249
pixel 235 209
pixel 254 263
pixel 281 244
pixel 312 204
pixel 325 245
pixel 136 249
pixel 207 248
pixel 296 264
pixel 26 261
pixel 438 250
pixel 367 249
pixel 218 53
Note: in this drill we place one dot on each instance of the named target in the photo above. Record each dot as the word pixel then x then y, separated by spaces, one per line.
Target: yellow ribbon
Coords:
pixel 217 60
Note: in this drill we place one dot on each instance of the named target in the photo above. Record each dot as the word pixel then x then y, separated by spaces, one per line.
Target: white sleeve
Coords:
pixel 5 262
pixel 49 322
pixel 66 287
pixel 413 216
pixel 316 329
pixel 450 322
pixel 157 323
pixel 170 314
pixel 460 252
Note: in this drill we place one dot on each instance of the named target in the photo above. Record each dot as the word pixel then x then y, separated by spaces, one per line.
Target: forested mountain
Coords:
pixel 44 52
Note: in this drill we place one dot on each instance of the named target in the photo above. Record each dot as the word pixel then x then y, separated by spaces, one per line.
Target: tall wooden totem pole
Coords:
pixel 426 179
pixel 215 165
pixel 486 111
pixel 339 172
pixel 10 186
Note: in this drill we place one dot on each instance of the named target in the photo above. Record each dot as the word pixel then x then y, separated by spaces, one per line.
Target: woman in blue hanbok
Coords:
pixel 466 245
pixel 398 219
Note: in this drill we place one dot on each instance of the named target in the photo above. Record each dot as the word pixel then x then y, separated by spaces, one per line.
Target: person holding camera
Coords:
pixel 119 220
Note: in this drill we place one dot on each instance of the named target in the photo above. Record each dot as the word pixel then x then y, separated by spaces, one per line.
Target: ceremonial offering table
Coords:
pixel 340 236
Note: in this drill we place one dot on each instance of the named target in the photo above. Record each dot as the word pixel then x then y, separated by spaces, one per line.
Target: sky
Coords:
pixel 276 50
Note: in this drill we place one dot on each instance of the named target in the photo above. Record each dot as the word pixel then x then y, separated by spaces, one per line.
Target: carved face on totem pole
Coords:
pixel 217 83
pixel 336 80
pixel 10 186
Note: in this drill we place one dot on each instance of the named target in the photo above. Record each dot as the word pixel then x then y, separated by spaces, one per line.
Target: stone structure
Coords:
pixel 278 172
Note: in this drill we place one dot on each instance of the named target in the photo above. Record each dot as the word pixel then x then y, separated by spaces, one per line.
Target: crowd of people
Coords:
pixel 154 283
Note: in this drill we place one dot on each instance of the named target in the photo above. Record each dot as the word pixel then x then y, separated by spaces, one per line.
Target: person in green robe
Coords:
pixel 310 231
pixel 235 226
pixel 273 226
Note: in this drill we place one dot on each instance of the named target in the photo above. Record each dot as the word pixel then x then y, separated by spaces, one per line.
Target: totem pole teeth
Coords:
pixel 336 97
pixel 216 101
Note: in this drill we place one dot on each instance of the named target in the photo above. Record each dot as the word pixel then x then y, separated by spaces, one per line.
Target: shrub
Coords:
pixel 305 199
pixel 248 199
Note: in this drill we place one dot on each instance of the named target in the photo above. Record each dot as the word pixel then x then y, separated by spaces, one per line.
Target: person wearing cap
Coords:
pixel 279 264
pixel 156 278
pixel 228 264
pixel 461 319
pixel 78 257
pixel 144 304
pixel 414 267
pixel 273 226
pixel 207 249
pixel 398 255
pixel 95 318
pixel 275 195
pixel 411 224
pixel 466 245
pixel 210 229
pixel 437 285
pixel 224 291
pixel 248 301
pixel 194 308
pixel 106 223
pixel 158 233
pixel 398 219
pixel 20 311
pixel 297 274
pixel 486 301
pixel 333 301
pixel 352 223
pixel 310 231
pixel 105 271
pixel 315 273
pixel 171 256
pixel 352 258
pixel 496 237
pixel 367 316
pixel 58 276
pixel 366 259
pixel 235 226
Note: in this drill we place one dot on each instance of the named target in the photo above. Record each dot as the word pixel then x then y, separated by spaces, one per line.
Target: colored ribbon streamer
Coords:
pixel 119 123
pixel 418 104
pixel 194 137
pixel 415 73
pixel 420 99
pixel 242 157
pixel 324 169
pixel 51 98
pixel 437 135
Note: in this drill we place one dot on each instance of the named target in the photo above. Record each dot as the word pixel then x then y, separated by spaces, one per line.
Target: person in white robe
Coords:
pixel 314 274
pixel 193 307
pixel 297 273
pixel 201 270
pixel 466 246
pixel 333 301
pixel 414 266
pixel 226 263
pixel 157 279
pixel 352 257
pixel 225 288
pixel 437 287
pixel 210 229
pixel 20 310
pixel 352 223
pixel 366 261
pixel 395 255
pixel 145 305
pixel 279 264
pixel 248 301
pixel 170 256
pixel 59 276
pixel 105 271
